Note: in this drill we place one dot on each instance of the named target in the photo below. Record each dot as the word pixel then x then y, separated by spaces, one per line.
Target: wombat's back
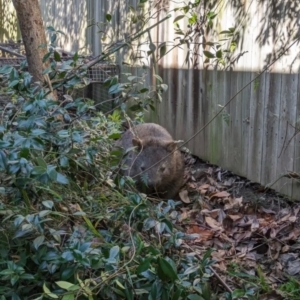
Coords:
pixel 148 132
pixel 153 144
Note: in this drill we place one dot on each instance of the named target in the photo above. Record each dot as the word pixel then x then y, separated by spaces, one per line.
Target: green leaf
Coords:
pixel 178 18
pixel 114 136
pixel 193 19
pixel 195 297
pixel 27 276
pixel 165 271
pixel 57 56
pixel 3 160
pixel 219 54
pixel 143 266
pixel 64 161
pixel 211 15
pixel 177 294
pixel 136 107
pixel 152 47
pixel 64 285
pixel 129 293
pixel 6 272
pixel 164 87
pixel 233 46
pixel 14 279
pixel 68 297
pixel 14 75
pixel 48 293
pixel 158 77
pixel 117 88
pixel 68 272
pixel 44 213
pixel 114 252
pixel 38 170
pixel 6 69
pixel 63 134
pixel 60 178
pixel 16 297
pixel 186 9
pixel 191 270
pixel 108 17
pixel 225 32
pixel 41 162
pixel 13 83
pixel 206 293
pixel 149 223
pixel 50 28
pixel 38 241
pixel 156 290
pixel 143 90
pixel 53 38
pixel 46 56
pixel 75 56
pixel 196 3
pixel 120 284
pixel 238 293
pixel 48 203
pixel 162 50
pixel 208 54
pixel 131 78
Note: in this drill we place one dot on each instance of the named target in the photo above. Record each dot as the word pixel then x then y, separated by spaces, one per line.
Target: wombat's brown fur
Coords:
pixel 153 143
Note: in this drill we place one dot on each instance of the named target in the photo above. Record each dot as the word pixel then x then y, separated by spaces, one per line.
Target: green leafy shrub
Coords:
pixel 69 229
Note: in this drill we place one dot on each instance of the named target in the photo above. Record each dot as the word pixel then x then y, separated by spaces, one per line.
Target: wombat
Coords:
pixel 153 143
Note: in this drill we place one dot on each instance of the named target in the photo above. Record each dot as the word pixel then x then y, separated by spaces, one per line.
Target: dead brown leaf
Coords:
pixel 235 217
pixel 232 202
pixel 222 194
pixel 212 213
pixel 212 223
pixel 184 215
pixel 184 196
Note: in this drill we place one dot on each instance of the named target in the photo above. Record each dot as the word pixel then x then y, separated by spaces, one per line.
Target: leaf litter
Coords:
pixel 247 226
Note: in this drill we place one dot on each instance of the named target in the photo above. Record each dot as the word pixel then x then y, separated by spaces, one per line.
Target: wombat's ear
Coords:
pixel 171 146
pixel 137 143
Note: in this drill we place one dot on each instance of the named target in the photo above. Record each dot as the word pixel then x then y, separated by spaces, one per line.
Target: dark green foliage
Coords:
pixel 68 228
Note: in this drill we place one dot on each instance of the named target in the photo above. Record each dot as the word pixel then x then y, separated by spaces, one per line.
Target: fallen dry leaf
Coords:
pixel 213 223
pixel 204 235
pixel 184 196
pixel 222 194
pixel 235 217
pixel 212 213
pixel 242 231
pixel 233 203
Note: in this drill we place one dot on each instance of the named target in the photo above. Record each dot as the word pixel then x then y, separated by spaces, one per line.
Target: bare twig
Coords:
pixel 12 52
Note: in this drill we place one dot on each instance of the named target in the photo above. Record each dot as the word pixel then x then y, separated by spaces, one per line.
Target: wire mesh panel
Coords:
pixel 96 90
pixel 10 61
pixel 101 71
pixel 98 74
pixel 4 98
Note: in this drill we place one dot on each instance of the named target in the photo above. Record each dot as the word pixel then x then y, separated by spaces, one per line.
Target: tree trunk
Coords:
pixel 33 35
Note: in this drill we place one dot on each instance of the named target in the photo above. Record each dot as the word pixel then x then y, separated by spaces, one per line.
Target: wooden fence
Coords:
pixel 257 134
